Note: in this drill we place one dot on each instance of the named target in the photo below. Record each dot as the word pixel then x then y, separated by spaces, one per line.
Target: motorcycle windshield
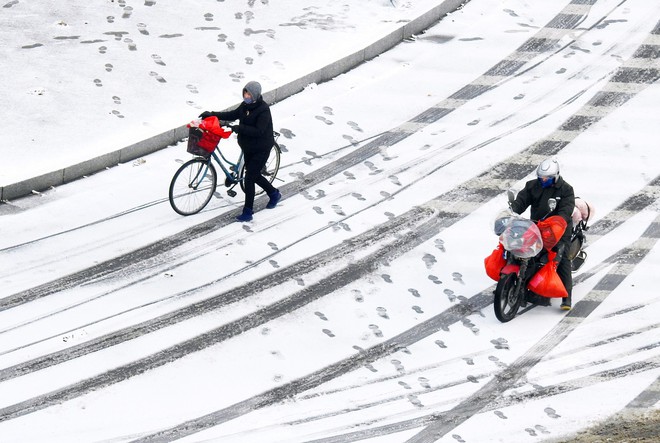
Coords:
pixel 522 238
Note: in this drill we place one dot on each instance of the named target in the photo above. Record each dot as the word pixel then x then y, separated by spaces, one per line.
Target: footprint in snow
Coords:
pixel 414 292
pixel 500 414
pixel 458 438
pixel 327 110
pixel 394 179
pixel 497 361
pixel 382 312
pixel 441 344
pixel 300 281
pixel 440 244
pixel 103 49
pixel 531 432
pixel 387 278
pixel 500 343
pixel 358 196
pixel 131 44
pixel 110 19
pixel 469 361
pixel 355 126
pixel 192 89
pixel 208 17
pixel 542 429
pixel 328 332
pixel 287 133
pixel 389 215
pixel 246 228
pixel 351 140
pixel 324 120
pixel 108 67
pixel 98 82
pixel 424 382
pixel 415 401
pixel 142 28
pixel 158 77
pixel 338 210
pixel 321 316
pixel 117 113
pixel 397 365
pixel 551 413
pixel 472 379
pixel 370 367
pixel 417 309
pixel 350 176
pixel 450 294
pixel 274 264
pixel 273 246
pixel 212 58
pixel 429 260
pixel 116 99
pixel 318 210
pixel 376 330
pixel 435 279
pixel 357 295
pixel 128 10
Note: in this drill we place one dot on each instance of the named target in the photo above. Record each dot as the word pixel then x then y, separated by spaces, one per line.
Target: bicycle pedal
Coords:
pixel 231 193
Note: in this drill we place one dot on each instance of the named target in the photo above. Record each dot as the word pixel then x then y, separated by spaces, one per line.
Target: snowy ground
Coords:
pixel 358 309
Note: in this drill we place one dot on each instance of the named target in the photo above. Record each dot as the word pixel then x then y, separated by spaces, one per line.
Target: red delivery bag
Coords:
pixel 546 281
pixel 495 262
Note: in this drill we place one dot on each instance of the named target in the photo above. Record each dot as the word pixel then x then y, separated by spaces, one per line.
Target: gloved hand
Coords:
pixel 560 253
pixel 205 114
pixel 234 128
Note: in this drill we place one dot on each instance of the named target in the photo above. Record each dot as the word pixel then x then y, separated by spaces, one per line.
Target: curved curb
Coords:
pixel 173 136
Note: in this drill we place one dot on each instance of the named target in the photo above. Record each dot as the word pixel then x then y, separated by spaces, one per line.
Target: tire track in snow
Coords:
pixel 451 207
pixel 533 163
pixel 617 373
pixel 441 422
pixel 544 41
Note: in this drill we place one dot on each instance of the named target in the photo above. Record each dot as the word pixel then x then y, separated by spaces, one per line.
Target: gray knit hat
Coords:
pixel 254 88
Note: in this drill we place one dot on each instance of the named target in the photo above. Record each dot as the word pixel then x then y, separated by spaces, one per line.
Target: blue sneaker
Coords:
pixel 246 216
pixel 275 197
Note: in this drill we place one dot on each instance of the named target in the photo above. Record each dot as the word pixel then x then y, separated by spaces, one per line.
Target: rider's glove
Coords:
pixel 205 114
pixel 234 128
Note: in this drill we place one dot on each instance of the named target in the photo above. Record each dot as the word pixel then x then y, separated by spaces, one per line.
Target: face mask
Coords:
pixel 248 100
pixel 547 183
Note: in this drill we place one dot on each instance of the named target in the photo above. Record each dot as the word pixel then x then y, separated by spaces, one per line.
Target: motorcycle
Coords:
pixel 524 263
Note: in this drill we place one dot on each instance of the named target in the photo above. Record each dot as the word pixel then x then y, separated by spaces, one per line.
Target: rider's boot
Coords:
pixel 566 303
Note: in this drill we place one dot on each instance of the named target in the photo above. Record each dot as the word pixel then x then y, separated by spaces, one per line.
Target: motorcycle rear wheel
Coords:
pixel 505 304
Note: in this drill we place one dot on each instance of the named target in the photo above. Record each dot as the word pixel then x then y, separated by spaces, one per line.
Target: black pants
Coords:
pixel 254 163
pixel 564 272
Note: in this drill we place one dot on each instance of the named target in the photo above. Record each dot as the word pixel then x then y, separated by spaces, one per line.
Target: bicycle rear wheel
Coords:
pixel 193 186
pixel 269 170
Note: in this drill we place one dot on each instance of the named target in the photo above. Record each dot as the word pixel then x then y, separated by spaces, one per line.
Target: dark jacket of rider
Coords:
pixel 535 196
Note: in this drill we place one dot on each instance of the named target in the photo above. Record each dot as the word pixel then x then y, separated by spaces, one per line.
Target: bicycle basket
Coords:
pixel 196 145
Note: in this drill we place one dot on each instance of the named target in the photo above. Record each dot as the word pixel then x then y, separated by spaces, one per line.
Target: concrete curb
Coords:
pixel 173 136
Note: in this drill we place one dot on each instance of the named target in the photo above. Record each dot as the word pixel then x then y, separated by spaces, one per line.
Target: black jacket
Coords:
pixel 255 126
pixel 534 195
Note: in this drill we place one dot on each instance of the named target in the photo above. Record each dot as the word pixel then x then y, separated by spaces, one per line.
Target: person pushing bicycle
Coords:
pixel 255 138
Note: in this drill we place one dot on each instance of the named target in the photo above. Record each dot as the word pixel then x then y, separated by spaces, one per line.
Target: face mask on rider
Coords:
pixel 247 98
pixel 546 182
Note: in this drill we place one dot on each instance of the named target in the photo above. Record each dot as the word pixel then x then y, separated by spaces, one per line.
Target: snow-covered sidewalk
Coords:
pixel 86 86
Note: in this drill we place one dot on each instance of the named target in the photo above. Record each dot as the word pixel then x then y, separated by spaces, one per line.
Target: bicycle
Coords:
pixel 194 183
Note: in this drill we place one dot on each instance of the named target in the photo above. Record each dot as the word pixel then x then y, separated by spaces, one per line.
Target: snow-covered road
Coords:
pixel 358 309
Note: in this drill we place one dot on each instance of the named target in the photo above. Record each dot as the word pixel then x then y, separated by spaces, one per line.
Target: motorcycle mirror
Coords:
pixel 552 204
pixel 511 195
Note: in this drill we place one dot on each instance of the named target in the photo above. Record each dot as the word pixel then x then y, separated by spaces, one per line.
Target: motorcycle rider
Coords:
pixel 536 193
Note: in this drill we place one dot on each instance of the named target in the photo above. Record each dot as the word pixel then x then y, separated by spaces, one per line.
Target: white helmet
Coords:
pixel 548 168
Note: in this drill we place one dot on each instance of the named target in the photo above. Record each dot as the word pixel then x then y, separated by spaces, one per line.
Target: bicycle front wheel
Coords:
pixel 269 170
pixel 193 186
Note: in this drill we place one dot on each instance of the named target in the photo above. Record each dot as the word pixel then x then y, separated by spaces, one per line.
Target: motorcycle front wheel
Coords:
pixel 506 303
